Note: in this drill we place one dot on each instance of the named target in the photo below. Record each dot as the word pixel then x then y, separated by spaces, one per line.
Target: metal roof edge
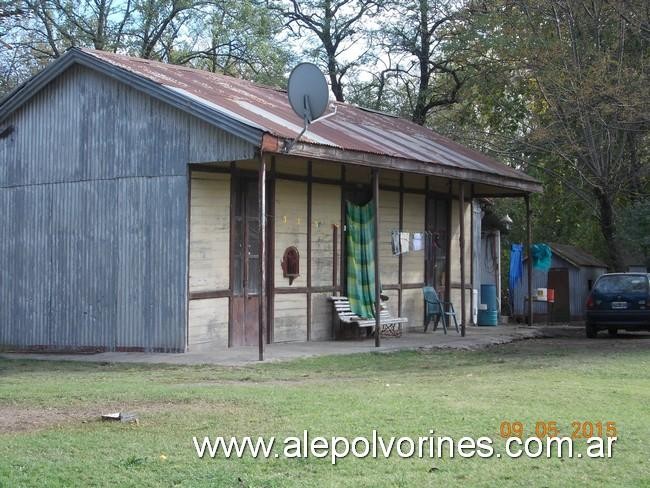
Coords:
pixel 15 99
pixel 23 92
pixel 564 258
pixel 569 260
pixel 558 250
pixel 524 186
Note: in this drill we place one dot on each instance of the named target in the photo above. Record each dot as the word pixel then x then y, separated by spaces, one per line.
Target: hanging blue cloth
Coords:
pixel 516 265
pixel 541 255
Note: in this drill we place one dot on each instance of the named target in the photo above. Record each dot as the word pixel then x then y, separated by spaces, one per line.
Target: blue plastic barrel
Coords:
pixel 489 317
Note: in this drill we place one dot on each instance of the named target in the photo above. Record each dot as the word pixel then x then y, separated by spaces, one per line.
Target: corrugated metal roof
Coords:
pixel 252 112
pixel 351 128
pixel 576 256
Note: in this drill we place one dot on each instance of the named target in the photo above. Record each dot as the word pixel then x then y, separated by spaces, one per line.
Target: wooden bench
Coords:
pixel 390 326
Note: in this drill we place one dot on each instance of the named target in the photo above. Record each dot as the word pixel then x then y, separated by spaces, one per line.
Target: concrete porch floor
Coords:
pixel 476 337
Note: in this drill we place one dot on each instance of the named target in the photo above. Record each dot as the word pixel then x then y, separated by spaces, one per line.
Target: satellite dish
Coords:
pixel 308 92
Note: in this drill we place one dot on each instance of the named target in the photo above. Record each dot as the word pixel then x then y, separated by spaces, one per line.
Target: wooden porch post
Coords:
pixel 262 254
pixel 375 246
pixel 461 215
pixel 529 270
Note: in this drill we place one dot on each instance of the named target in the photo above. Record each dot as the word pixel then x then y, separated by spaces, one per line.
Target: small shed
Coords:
pixel 572 275
pixel 635 263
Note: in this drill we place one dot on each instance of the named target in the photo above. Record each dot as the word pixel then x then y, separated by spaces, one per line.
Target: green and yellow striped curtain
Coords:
pixel 360 235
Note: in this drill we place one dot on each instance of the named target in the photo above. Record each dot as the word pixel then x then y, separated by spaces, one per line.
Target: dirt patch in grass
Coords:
pixel 20 419
pixel 300 381
pixel 573 339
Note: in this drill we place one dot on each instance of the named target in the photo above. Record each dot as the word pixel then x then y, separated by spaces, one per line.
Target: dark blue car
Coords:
pixel 618 301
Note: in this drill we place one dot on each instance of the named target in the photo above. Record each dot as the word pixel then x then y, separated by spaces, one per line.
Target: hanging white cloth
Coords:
pixel 418 241
pixel 404 241
pixel 394 242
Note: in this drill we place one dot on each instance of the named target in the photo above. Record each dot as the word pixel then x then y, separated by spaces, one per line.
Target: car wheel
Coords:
pixel 613 331
pixel 591 331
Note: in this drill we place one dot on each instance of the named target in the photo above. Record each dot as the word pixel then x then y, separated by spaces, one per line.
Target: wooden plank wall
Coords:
pixel 326 212
pixel 208 323
pixel 290 317
pixel 209 231
pixel 388 221
pixel 307 204
pixel 290 227
pixel 301 311
pixel 209 259
pixel 454 255
pixel 413 262
pixel 290 307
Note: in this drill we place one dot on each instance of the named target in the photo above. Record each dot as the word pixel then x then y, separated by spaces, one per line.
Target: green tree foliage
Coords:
pixel 425 40
pixel 414 66
pixel 591 73
pixel 234 37
pixel 564 94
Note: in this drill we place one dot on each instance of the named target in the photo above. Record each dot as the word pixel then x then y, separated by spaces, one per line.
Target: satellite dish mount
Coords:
pixel 308 95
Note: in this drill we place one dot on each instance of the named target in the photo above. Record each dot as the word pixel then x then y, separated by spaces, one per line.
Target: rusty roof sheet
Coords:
pixel 351 128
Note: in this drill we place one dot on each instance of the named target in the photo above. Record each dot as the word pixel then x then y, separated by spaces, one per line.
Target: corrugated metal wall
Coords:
pixel 578 287
pixel 490 259
pixel 477 215
pixel 540 280
pixel 93 220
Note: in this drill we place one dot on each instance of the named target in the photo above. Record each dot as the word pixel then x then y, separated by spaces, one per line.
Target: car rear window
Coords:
pixel 622 284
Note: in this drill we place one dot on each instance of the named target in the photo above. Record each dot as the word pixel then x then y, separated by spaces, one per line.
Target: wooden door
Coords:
pixel 245 262
pixel 558 279
pixel 436 250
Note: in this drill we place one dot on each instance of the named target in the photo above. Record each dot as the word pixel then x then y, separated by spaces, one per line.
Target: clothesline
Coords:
pixel 428 232
pixel 404 241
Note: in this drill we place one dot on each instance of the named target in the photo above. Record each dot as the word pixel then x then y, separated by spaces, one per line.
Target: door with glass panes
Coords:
pixel 245 262
pixel 438 245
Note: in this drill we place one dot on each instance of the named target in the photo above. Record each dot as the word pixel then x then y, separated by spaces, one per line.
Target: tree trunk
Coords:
pixel 608 229
pixel 636 168
pixel 332 69
pixel 420 110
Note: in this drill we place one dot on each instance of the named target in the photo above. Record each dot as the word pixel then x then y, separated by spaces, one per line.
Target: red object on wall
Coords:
pixel 550 295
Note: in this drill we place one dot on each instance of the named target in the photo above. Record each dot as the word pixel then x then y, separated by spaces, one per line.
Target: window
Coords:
pixel 619 284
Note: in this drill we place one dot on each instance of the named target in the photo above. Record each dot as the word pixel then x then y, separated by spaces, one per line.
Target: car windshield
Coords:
pixel 622 284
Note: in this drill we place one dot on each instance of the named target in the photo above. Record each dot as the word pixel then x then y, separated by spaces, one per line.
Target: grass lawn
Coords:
pixel 51 435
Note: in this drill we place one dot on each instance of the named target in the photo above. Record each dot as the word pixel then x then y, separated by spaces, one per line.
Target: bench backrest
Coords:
pixel 342 305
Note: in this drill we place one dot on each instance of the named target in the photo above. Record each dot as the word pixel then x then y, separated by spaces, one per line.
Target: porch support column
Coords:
pixel 261 181
pixel 461 219
pixel 375 247
pixel 529 270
